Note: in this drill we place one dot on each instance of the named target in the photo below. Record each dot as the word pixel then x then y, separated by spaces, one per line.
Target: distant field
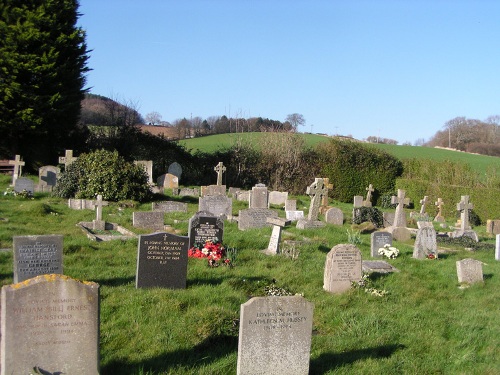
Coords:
pixel 480 163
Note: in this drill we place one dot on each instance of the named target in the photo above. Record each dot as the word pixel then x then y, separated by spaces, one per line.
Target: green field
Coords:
pixel 426 324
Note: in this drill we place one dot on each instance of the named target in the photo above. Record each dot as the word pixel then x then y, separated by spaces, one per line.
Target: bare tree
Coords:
pixel 153 118
pixel 296 119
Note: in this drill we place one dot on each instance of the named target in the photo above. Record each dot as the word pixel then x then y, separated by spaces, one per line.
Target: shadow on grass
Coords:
pixel 329 361
pixel 204 281
pixel 117 281
pixel 203 354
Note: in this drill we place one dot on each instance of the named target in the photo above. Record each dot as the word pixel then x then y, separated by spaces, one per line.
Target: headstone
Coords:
pixel 170 206
pixel 342 267
pixel 465 229
pixel 162 261
pixel 400 234
pixel 219 169
pixel 259 198
pixel 67 159
pixel 439 217
pixel 148 168
pixel 254 218
pixel 171 181
pixel 401 201
pixel 368 201
pixel 278 197
pixel 233 191
pixel 469 271
pixel 423 202
pixel 204 226
pixel 243 196
pixel 48 175
pixel 291 205
pixel 211 190
pixel 153 220
pixel 175 169
pixel 379 240
pixel 324 200
pixel 388 218
pixel 218 205
pixel 37 255
pixel 334 216
pixel 189 192
pixel 358 201
pixel 18 168
pixel 425 243
pixel 493 226
pixel 497 247
pixel 294 215
pixel 99 223
pixel 316 191
pixel 378 266
pixel 24 183
pixel 275 336
pixel 82 204
pixel 274 241
pixel 50 325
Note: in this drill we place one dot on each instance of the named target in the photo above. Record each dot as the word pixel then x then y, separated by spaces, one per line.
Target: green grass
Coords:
pixel 425 325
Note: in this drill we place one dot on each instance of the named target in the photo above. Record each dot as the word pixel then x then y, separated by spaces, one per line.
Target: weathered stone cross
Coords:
pixel 423 202
pixel 439 205
pixel 220 169
pixel 316 191
pixel 328 186
pixel 67 159
pixel 464 206
pixel 401 201
pixel 18 167
pixel 369 191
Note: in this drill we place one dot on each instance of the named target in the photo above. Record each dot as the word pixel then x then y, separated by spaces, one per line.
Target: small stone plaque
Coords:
pixel 203 227
pixel 24 183
pixel 469 271
pixel 50 324
pixel 153 220
pixel 378 266
pixel 378 240
pixel 254 218
pixel 162 261
pixel 37 255
pixel 275 336
pixel 170 206
pixel 342 267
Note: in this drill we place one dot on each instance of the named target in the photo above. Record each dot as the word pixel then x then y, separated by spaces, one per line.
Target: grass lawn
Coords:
pixel 426 324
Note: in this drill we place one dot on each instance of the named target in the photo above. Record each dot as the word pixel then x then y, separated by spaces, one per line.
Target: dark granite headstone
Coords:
pixel 24 183
pixel 379 240
pixel 37 255
pixel 204 226
pixel 162 261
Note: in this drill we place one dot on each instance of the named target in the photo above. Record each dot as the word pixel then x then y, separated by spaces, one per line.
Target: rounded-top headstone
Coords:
pixel 175 169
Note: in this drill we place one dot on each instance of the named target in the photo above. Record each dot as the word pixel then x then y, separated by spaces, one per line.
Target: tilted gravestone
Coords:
pixel 469 271
pixel 254 218
pixel 343 266
pixel 162 261
pixel 37 255
pixel 153 220
pixel 203 227
pixel 218 205
pixel 50 325
pixel 275 336
pixel 379 240
pixel 274 242
pixel 170 206
pixel 426 243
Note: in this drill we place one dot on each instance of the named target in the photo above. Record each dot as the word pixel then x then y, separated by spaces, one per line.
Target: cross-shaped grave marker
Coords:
pixel 316 191
pixel 464 206
pixel 423 202
pixel 401 201
pixel 369 191
pixel 18 167
pixel 439 203
pixel 324 199
pixel 67 159
pixel 98 223
pixel 220 169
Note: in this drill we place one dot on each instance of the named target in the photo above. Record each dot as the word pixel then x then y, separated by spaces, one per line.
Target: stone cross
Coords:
pixel 98 223
pixel 316 191
pixel 220 169
pixel 328 186
pixel 67 159
pixel 401 201
pixel 464 206
pixel 423 202
pixel 369 191
pixel 18 167
pixel 439 203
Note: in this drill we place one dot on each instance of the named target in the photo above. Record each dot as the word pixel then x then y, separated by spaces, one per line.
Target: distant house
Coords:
pixel 167 132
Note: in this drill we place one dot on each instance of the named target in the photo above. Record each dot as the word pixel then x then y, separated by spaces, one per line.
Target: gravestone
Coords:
pixel 343 266
pixel 50 325
pixel 439 217
pixel 469 271
pixel 218 205
pixel 169 206
pixel 379 240
pixel 24 183
pixel 148 168
pixel 493 226
pixel 274 242
pixel 37 255
pixel 294 215
pixel 67 159
pixel 465 229
pixel 291 205
pixel 81 204
pixel 497 247
pixel 259 197
pixel 175 169
pixel 388 218
pixel 358 201
pixel 18 168
pixel 378 266
pixel 368 201
pixel 243 195
pixel 47 176
pixel 334 216
pixel 99 223
pixel 219 169
pixel 211 190
pixel 278 197
pixel 254 218
pixel 153 220
pixel 275 336
pixel 316 191
pixel 425 243
pixel 398 229
pixel 189 192
pixel 162 261
pixel 171 181
pixel 233 191
pixel 324 200
pixel 204 226
pixel 423 202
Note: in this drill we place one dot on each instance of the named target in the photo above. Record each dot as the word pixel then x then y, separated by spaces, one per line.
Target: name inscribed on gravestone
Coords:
pixel 162 261
pixel 50 325
pixel 37 255
pixel 275 336
pixel 343 266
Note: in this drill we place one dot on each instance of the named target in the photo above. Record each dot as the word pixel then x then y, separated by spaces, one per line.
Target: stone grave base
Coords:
pixel 306 224
pixel 87 229
pixel 465 233
pixel 378 266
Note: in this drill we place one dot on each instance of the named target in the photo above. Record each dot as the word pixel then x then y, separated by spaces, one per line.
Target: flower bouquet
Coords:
pixel 388 251
pixel 213 251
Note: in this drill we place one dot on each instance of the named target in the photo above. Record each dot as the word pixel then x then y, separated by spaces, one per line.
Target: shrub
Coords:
pixel 103 172
pixel 371 214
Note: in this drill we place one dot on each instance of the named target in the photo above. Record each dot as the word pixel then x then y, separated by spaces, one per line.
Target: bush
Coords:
pixel 371 214
pixel 106 173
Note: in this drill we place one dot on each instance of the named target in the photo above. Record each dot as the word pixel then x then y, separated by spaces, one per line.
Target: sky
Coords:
pixel 385 68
